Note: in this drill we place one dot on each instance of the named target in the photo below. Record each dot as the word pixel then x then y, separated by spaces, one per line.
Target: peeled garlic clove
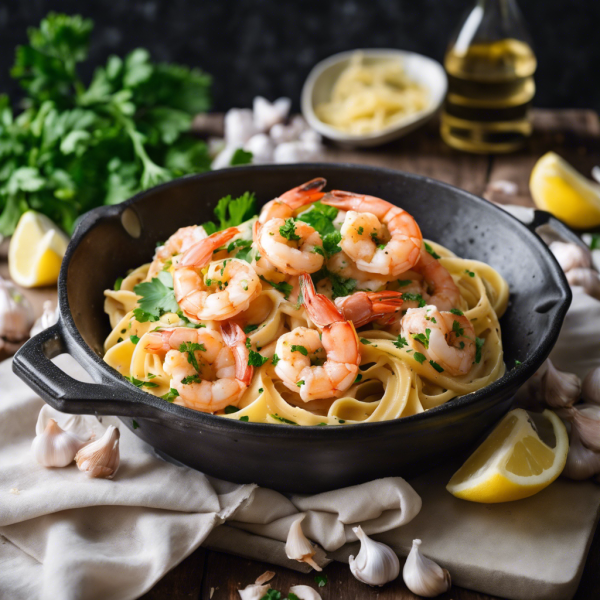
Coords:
pixel 423 576
pixel 560 389
pixel 261 147
pixel 304 592
pixel 16 314
pixel 298 546
pixel 74 424
pixel 266 114
pixel 376 563
pixel 571 256
pixel 582 463
pixel 239 126
pixel 54 447
pixel 101 458
pixel 48 318
pixel 588 279
pixel 590 389
pixel 254 592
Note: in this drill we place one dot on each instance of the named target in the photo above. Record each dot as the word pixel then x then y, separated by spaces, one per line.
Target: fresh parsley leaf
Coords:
pixel 143 317
pixel 320 217
pixel 283 420
pixel 118 283
pixel 191 379
pixel 275 360
pixel 457 329
pixel 134 339
pixel 141 383
pixel 358 378
pixel 322 579
pixel 229 410
pixel 478 347
pixel 404 282
pixel 423 337
pixel 408 297
pixel 400 342
pixel 241 157
pixel 283 287
pixel 420 358
pixel 256 359
pixel 190 348
pixel 291 595
pixel 157 295
pixel 339 285
pixel 431 250
pixel 365 341
pixel 331 243
pixel 272 595
pixel 232 212
pixel 288 230
pixel 300 349
pixel 245 419
pixel 250 328
pixel 170 395
pixel 595 241
pixel 300 383
pixel 436 366
pixel 457 312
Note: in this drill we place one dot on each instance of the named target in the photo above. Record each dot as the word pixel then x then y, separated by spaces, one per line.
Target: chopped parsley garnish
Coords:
pixel 400 342
pixel 341 421
pixel 119 340
pixel 170 395
pixel 457 312
pixel 423 337
pixel 191 379
pixel 365 341
pixel 232 211
pixel 256 359
pixel 191 348
pixel 134 339
pixel 260 390
pixel 150 375
pixel 141 383
pixel 457 329
pixel 118 283
pixel 275 360
pixel 231 409
pixel 404 282
pixel 320 217
pixel 478 346
pixel 518 362
pixel 431 250
pixel 157 297
pixel 299 383
pixel 331 243
pixel 318 250
pixel 360 230
pixel 283 287
pixel 420 358
pixel 322 579
pixel 245 419
pixel 288 230
pixel 436 366
pixel 320 425
pixel 461 345
pixel 135 423
pixel 469 273
pixel 248 343
pixel 358 378
pixel 408 297
pixel 250 328
pixel 283 420
pixel 188 323
pixel 381 247
pixel 433 320
pixel 300 349
pixel 340 286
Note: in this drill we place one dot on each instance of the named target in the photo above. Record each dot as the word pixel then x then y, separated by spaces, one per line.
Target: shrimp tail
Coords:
pixel 199 254
pixel 235 338
pixel 343 200
pixel 365 307
pixel 321 309
pixel 304 194
pixel 158 341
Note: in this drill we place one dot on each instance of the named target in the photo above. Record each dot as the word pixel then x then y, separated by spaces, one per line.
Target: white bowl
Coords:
pixel 318 86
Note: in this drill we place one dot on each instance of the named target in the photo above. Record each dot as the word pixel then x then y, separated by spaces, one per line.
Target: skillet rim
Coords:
pixel 512 378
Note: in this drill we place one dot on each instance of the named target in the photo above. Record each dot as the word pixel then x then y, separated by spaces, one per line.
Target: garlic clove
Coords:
pixel 239 126
pixel 376 563
pixel 560 389
pixel 101 458
pixel 298 546
pixel 254 592
pixel 588 279
pixel 261 147
pixel 582 463
pixel 54 447
pixel 16 315
pixel 571 256
pixel 586 420
pixel 48 318
pixel 590 388
pixel 267 114
pixel 423 576
pixel 304 592
pixel 75 424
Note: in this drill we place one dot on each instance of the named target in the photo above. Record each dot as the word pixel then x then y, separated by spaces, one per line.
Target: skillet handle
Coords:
pixel 541 219
pixel 33 365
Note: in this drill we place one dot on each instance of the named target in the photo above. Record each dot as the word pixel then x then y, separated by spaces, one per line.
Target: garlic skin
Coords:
pixel 101 458
pixel 590 388
pixel 54 447
pixel 586 420
pixel 16 316
pixel 48 318
pixel 298 546
pixel 74 424
pixel 254 592
pixel 588 279
pixel 265 577
pixel 582 463
pixel 423 576
pixel 305 592
pixel 376 563
pixel 571 256
pixel 560 389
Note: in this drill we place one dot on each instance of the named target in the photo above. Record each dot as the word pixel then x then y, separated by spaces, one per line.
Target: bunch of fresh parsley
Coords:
pixel 75 147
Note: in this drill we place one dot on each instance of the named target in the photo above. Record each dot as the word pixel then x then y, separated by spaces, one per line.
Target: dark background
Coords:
pixel 267 47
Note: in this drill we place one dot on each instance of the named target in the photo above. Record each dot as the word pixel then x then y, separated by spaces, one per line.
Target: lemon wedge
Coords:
pixel 36 250
pixel 513 462
pixel 558 188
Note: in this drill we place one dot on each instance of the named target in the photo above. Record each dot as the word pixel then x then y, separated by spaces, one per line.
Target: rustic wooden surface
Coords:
pixel 575 135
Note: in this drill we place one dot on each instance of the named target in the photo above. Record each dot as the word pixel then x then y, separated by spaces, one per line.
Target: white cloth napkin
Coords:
pixel 66 537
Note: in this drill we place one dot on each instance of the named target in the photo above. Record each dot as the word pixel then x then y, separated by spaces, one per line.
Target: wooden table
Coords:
pixel 575 135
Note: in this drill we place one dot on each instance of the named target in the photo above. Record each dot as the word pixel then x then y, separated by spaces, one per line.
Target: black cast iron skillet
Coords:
pixel 112 239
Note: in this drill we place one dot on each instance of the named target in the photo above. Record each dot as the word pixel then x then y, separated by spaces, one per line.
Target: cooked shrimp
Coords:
pixel 443 337
pixel 293 247
pixel 443 292
pixel 284 206
pixel 338 340
pixel 227 288
pixel 209 369
pixel 341 264
pixel 378 236
pixel 365 307
pixel 179 242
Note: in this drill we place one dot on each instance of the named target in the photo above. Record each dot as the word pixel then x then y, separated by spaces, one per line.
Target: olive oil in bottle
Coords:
pixel 490 66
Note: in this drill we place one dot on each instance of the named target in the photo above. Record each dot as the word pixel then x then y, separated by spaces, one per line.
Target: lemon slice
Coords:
pixel 36 250
pixel 558 188
pixel 513 462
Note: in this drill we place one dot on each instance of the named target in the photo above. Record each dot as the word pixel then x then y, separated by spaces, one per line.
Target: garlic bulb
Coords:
pixel 571 256
pixel 101 458
pixel 16 316
pixel 423 576
pixel 585 418
pixel 376 563
pixel 560 389
pixel 254 592
pixel 588 279
pixel 582 463
pixel 75 424
pixel 298 547
pixel 266 114
pixel 48 318
pixel 54 447
pixel 590 389
pixel 304 592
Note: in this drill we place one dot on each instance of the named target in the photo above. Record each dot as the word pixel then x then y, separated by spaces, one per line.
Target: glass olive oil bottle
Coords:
pixel 490 66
